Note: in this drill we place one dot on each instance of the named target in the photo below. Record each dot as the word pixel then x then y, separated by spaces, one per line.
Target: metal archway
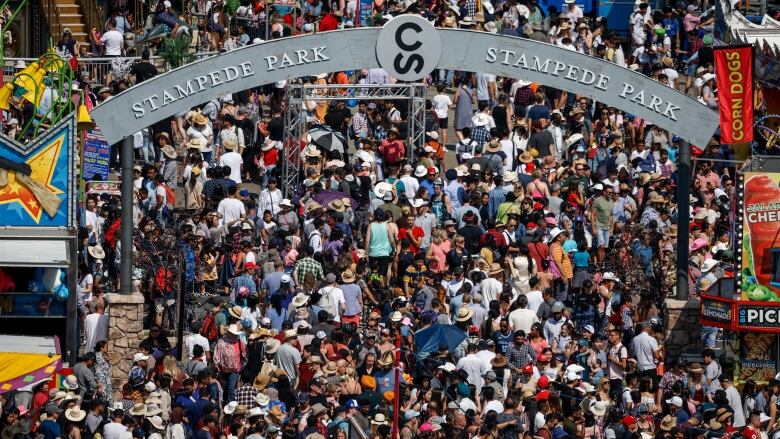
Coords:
pixel 307 55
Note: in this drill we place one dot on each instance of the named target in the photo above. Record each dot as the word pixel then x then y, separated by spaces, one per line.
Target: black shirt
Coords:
pixel 276 129
pixel 541 140
pixel 143 71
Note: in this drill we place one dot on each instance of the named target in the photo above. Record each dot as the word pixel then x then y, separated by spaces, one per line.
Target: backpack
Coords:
pixel 209 328
pixel 170 196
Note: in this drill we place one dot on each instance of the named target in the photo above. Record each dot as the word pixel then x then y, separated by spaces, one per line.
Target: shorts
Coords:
pixel 444 122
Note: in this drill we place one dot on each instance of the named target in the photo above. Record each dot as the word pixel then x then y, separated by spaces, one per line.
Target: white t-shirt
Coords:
pixel 672 76
pixel 193 340
pixel 637 28
pixel 534 300
pixel 483 79
pixel 234 160
pixel 231 210
pixel 96 329
pixel 522 319
pixel 160 191
pixel 441 104
pixel 269 200
pixel 113 41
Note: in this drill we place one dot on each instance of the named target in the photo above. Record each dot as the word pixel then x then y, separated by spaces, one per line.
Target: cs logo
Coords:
pixel 408 48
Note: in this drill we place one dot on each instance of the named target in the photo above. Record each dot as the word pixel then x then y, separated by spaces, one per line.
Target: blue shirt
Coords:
pixel 195 411
pixel 581 259
pixel 672 26
pixel 49 429
pixel 496 196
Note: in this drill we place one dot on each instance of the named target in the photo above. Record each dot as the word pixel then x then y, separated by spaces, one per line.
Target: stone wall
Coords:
pixel 125 332
pixel 683 329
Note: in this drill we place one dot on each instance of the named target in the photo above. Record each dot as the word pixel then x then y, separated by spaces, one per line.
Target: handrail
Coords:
pixel 53 20
pixel 92 15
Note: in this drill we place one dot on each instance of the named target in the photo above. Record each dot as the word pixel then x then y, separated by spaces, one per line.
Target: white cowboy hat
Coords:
pixel 96 251
pixel 382 188
pixel 156 422
pixel 554 233
pixel 708 76
pixel 272 345
pixel 233 329
pixel 480 119
pixel 170 151
pixel 300 299
pixel 230 407
pixel 462 170
pixel 574 138
pixel 420 171
pixel 610 276
pixel 708 265
pixel 71 382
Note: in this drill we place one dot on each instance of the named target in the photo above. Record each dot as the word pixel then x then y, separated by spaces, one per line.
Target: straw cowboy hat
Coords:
pixel 656 198
pixel 199 119
pixel 493 146
pixel 169 151
pixel 526 157
pixel 235 311
pixel 196 143
pixel 75 414
pixel 337 206
pixel 668 423
pixel 348 275
pixel 261 381
pixel 496 268
pixel 331 368
pixel 97 252
pixel 139 409
pixel 464 314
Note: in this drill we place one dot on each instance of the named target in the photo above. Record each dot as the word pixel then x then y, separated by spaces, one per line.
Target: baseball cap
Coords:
pixel 628 420
pixel 675 400
pixel 544 395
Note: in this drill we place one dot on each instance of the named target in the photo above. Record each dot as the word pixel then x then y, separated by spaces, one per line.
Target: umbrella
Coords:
pixel 326 196
pixel 429 339
pixel 328 139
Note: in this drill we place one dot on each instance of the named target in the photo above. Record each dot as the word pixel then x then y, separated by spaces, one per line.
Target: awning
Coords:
pixel 26 360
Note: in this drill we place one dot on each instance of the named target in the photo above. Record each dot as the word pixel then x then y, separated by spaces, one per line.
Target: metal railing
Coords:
pixel 97 69
pixel 253 28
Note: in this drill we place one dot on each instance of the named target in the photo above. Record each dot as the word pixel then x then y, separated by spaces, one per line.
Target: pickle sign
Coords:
pixel 408 48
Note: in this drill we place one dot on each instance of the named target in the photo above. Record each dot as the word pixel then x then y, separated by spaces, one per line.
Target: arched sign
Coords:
pixel 407 48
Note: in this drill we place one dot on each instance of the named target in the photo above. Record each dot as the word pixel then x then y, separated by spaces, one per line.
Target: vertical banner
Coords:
pixel 759 276
pixel 97 154
pixel 734 75
pixel 757 357
pixel 364 13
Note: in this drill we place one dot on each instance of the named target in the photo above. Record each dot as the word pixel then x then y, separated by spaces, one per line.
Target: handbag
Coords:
pixel 556 274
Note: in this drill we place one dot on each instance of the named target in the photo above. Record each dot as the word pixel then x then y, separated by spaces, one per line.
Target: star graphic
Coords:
pixel 43 165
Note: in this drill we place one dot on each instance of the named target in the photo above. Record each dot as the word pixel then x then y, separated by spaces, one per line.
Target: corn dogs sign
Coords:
pixel 734 73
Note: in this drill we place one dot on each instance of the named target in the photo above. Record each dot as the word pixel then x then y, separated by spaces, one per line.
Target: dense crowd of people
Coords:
pixel 515 274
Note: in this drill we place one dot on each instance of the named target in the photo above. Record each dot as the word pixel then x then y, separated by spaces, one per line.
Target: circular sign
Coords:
pixel 408 47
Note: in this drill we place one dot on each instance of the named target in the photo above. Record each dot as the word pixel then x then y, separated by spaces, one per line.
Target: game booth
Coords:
pixel 38 237
pixel 749 303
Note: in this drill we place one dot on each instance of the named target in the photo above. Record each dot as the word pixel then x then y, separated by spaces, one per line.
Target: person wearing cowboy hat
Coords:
pixel 231 158
pixel 229 365
pixel 200 128
pixel 288 357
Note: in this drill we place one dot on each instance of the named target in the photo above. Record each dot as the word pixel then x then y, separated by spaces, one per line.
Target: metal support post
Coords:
pixel 683 217
pixel 126 250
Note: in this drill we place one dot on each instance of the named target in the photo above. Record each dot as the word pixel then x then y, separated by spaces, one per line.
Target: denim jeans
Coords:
pixel 602 236
pixel 147 149
pixel 231 381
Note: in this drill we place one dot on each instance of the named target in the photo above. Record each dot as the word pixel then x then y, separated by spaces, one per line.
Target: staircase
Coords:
pixel 62 14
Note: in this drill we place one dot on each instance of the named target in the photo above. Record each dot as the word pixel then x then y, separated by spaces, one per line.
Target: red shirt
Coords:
pixel 392 151
pixel 328 22
pixel 750 433
pixel 417 233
